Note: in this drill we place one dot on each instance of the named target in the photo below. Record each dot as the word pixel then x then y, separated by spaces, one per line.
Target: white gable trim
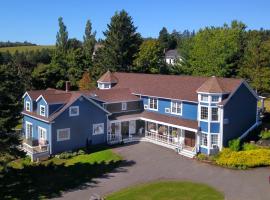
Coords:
pixel 40 96
pixel 26 93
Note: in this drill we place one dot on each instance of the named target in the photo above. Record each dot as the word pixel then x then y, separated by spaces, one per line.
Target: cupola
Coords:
pixel 107 81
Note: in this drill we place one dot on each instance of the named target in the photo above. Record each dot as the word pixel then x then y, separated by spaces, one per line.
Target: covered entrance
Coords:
pixel 189 138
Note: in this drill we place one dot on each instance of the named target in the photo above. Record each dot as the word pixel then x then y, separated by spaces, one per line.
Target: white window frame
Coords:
pixel 201 140
pixel 26 129
pixel 40 129
pixel 94 127
pixel 63 139
pixel 217 140
pixel 204 95
pixel 152 98
pixel 42 106
pixel 212 114
pixel 201 113
pixel 74 114
pixel 218 100
pixel 177 103
pixel 124 105
pixel 27 105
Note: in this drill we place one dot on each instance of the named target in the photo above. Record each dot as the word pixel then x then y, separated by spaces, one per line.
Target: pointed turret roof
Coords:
pixel 212 85
pixel 108 77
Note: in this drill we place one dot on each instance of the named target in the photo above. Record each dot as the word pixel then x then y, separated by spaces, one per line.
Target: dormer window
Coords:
pixel 204 98
pixel 176 107
pixel 27 106
pixel 73 111
pixel 42 110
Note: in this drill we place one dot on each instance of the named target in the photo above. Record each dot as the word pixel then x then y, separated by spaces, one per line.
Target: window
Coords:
pixel 204 112
pixel 124 105
pixel 42 110
pixel 107 86
pixel 73 111
pixel 204 139
pixel 27 106
pixel 214 140
pixel 153 103
pixel 204 97
pixel 176 107
pixel 215 98
pixel 63 134
pixel 42 133
pixel 214 114
pixel 29 130
pixel 98 129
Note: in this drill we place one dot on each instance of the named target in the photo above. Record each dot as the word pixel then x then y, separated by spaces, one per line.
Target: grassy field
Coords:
pixel 48 179
pixel 26 48
pixel 164 190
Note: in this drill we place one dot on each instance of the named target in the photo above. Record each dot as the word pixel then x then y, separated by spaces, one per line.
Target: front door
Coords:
pixel 189 138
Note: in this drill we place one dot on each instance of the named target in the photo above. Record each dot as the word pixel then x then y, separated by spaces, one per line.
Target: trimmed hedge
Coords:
pixel 243 159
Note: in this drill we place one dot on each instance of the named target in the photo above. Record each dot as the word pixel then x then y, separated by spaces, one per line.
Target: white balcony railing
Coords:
pixel 168 139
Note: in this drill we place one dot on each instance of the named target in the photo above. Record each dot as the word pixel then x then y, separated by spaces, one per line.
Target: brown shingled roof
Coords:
pixel 108 77
pixel 212 85
pixel 34 94
pixel 112 95
pixel 169 86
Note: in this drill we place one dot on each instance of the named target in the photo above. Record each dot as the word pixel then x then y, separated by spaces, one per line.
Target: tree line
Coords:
pixel 16 44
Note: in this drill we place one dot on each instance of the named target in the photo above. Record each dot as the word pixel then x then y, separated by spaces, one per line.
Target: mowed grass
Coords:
pixel 48 179
pixel 164 190
pixel 26 48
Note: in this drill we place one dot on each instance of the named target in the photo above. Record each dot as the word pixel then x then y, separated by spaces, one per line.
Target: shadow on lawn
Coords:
pixel 48 181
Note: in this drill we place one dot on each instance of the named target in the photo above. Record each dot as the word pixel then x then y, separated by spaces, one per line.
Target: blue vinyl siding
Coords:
pixel 54 107
pixel 43 103
pixel 204 126
pixel 203 150
pixel 189 110
pixel 214 127
pixel 27 98
pixel 81 127
pixel 36 123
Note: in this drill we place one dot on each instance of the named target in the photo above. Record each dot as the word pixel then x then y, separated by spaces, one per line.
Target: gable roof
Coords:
pixel 169 86
pixel 108 77
pixel 34 94
pixel 214 85
pixel 112 95
pixel 173 53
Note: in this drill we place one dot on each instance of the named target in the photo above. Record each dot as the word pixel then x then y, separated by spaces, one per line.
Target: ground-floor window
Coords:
pixel 204 141
pixel 63 134
pixel 98 129
pixel 214 140
pixel 42 133
pixel 29 130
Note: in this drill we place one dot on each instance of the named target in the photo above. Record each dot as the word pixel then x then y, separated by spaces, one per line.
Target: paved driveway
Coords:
pixel 148 162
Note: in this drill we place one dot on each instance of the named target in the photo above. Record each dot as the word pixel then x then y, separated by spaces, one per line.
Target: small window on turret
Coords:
pixel 204 97
pixel 215 98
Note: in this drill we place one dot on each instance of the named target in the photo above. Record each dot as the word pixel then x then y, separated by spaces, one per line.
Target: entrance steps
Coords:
pixel 187 153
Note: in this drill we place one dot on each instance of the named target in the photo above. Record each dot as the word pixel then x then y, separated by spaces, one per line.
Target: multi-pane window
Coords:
pixel 214 114
pixel 124 105
pixel 27 106
pixel 73 110
pixel 63 134
pixel 176 107
pixel 204 112
pixel 29 130
pixel 98 129
pixel 204 139
pixel 42 133
pixel 215 98
pixel 204 97
pixel 214 140
pixel 153 103
pixel 42 110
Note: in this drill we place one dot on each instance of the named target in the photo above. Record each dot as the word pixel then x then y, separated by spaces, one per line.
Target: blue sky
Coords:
pixel 36 21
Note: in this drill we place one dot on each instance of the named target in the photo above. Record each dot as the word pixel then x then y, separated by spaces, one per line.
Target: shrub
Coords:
pixel 249 146
pixel 244 159
pixel 235 145
pixel 202 156
pixel 66 155
pixel 265 134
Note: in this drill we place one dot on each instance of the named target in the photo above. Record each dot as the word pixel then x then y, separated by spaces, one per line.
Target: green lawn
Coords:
pixel 168 190
pixel 26 48
pixel 48 179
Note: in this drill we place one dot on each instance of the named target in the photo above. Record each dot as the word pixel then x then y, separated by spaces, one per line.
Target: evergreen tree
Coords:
pixel 120 46
pixel 89 41
pixel 62 36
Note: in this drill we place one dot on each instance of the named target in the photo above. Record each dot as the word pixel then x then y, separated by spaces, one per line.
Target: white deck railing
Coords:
pixel 167 139
pixel 35 149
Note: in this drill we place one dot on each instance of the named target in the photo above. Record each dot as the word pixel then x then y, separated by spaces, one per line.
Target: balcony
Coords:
pixel 33 146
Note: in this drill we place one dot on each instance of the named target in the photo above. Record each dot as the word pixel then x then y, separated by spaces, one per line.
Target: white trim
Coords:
pixel 158 97
pixel 74 107
pixel 213 93
pixel 99 124
pixel 26 93
pixel 63 139
pixel 28 123
pixel 50 138
pixel 206 95
pixel 250 129
pixel 149 104
pixel 42 106
pixel 43 120
pixel 28 102
pixel 204 120
pixel 124 106
pixel 113 102
pixel 45 132
pixel 181 107
pixel 40 96
pixel 221 128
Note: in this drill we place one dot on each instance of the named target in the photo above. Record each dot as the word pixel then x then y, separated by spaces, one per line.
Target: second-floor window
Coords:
pixel 204 97
pixel 42 110
pixel 27 106
pixel 124 105
pixel 73 111
pixel 215 98
pixel 153 103
pixel 214 114
pixel 204 113
pixel 204 140
pixel 176 107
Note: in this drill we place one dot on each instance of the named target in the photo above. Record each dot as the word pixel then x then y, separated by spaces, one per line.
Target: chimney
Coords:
pixel 67 86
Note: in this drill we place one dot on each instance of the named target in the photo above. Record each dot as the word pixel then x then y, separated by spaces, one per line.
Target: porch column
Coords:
pixel 168 135
pixel 156 131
